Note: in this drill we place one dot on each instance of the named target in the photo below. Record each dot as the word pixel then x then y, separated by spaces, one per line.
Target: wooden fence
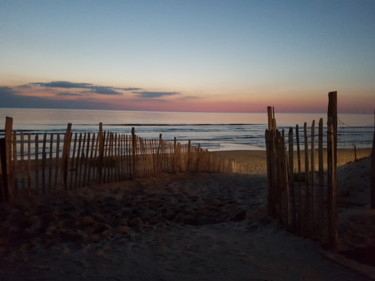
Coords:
pixel 302 180
pixel 40 163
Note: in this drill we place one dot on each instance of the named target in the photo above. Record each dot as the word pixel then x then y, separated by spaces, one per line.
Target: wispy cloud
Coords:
pixel 9 97
pixel 105 90
pixel 94 89
pixel 63 84
pixel 155 94
pixel 68 94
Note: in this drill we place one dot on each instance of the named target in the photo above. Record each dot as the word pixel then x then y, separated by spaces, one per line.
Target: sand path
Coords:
pixel 199 227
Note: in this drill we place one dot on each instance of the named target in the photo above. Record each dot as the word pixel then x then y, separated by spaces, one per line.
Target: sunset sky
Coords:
pixel 188 55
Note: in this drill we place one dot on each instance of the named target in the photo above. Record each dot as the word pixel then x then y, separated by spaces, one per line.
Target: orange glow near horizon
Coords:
pixel 99 97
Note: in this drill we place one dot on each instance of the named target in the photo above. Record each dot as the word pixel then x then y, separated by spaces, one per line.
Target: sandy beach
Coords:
pixel 178 227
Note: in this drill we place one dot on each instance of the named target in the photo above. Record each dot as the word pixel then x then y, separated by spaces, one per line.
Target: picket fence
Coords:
pixel 40 163
pixel 302 181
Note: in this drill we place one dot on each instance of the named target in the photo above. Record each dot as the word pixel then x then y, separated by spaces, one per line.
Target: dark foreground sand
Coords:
pixel 197 227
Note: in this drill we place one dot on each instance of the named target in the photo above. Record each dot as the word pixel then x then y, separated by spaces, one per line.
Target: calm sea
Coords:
pixel 214 131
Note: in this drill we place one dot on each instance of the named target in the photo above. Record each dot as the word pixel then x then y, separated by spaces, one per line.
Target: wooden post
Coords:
pixel 307 185
pixel 50 167
pixel 74 159
pixel 291 182
pixel 134 150
pixel 29 164
pixel 6 164
pixel 320 203
pixel 14 173
pixel 332 164
pixel 4 178
pixel 65 155
pixel 189 156
pixel 101 153
pixel 36 163
pixel 312 181
pixel 332 209
pixel 373 173
pixel 57 160
pixel 270 117
pixel 44 162
pixel 22 162
pixel 332 113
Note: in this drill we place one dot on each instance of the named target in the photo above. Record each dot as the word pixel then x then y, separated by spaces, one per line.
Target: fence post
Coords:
pixel 159 160
pixel 332 164
pixel 189 157
pixel 373 173
pixel 320 219
pixel 291 181
pixel 3 177
pixel 134 150
pixel 65 155
pixel 332 113
pixel 8 158
pixel 101 153
pixel 332 212
pixel 6 153
pixel 307 210
pixel 312 182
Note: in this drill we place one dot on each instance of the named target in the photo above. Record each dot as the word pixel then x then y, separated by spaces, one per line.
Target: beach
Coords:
pixel 178 227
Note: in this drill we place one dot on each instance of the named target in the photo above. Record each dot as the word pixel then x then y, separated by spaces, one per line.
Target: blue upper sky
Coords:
pixel 206 55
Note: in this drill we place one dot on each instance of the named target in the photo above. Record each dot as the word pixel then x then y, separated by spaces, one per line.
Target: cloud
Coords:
pixel 105 90
pixel 64 94
pixel 10 99
pixel 64 84
pixel 156 94
pixel 68 94
pixel 130 89
pixel 102 90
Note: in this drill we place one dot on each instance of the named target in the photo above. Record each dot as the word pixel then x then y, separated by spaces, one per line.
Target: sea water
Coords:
pixel 212 131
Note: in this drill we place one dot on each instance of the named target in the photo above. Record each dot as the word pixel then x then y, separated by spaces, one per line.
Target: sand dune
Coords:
pixel 181 227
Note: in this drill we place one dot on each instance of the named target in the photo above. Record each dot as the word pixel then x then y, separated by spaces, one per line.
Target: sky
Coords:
pixel 188 55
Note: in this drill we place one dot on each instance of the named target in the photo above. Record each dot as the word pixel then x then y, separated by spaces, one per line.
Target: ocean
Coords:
pixel 212 131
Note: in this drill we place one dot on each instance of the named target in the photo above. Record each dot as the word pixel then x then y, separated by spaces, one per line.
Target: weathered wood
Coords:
pixel 44 162
pixel 29 164
pixel 299 180
pixel 36 163
pixel 4 177
pixel 50 167
pixel 57 162
pixel 291 182
pixel 320 203
pixel 332 114
pixel 373 172
pixel 134 150
pixel 270 118
pixel 331 197
pixel 14 166
pixel 312 180
pixel 100 153
pixel 65 155
pixel 73 160
pixel 8 184
pixel 22 162
pixel 307 209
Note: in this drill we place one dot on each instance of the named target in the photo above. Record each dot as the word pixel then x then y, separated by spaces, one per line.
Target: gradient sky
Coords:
pixel 188 55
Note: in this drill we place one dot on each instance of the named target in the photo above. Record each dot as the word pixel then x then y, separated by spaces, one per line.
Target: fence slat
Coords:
pixel 65 155
pixel 57 162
